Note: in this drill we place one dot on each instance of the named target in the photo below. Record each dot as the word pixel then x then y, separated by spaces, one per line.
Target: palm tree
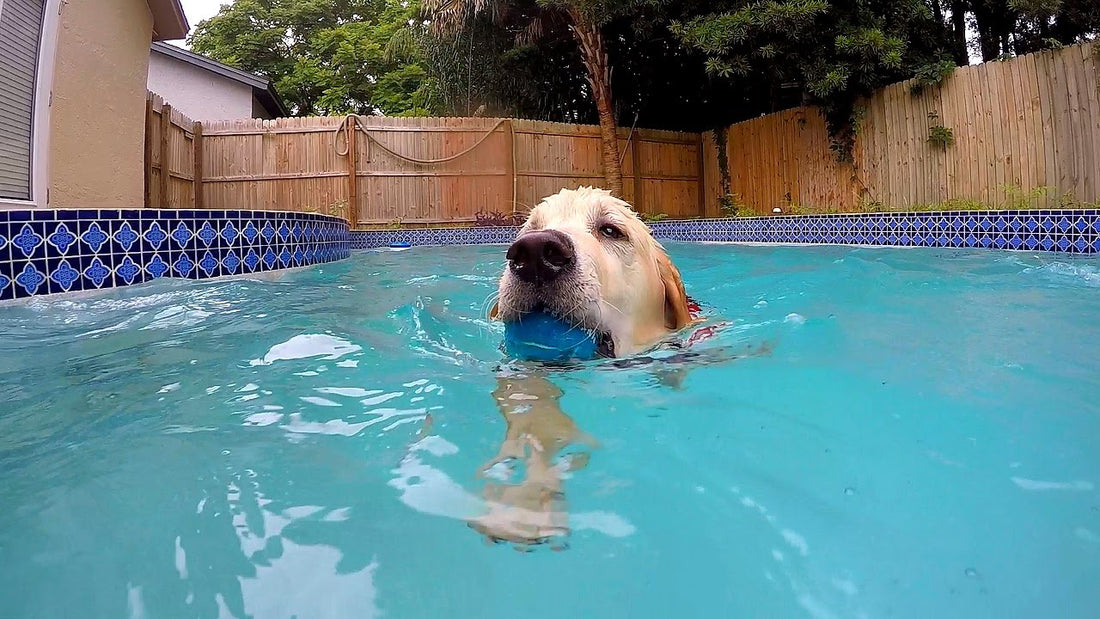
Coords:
pixel 584 20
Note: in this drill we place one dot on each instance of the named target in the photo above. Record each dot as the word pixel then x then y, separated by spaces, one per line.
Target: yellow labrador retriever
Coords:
pixel 586 257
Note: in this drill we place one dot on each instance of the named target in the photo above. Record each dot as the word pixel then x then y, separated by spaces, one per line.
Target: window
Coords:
pixel 20 37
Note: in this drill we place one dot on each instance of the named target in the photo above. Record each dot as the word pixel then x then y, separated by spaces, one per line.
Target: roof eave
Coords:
pixel 270 99
pixel 169 20
pixel 209 64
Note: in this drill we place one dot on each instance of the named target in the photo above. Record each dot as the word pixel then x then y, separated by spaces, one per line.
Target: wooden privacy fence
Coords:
pixel 173 157
pixel 374 170
pixel 1016 127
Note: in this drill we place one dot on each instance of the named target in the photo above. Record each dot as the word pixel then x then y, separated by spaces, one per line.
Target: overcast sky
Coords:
pixel 198 10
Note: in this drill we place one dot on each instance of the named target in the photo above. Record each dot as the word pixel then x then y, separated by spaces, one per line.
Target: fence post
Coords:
pixel 196 170
pixel 353 179
pixel 149 125
pixel 515 174
pixel 701 171
pixel 165 168
pixel 636 166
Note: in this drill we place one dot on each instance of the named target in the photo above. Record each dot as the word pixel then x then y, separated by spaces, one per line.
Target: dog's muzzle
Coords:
pixel 541 257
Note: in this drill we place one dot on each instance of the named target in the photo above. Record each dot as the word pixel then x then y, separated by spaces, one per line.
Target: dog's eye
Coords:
pixel 611 232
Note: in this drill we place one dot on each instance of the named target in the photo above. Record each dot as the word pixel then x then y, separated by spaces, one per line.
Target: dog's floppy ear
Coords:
pixel 677 314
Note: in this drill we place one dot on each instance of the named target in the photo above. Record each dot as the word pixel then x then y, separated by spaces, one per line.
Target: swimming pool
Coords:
pixel 920 441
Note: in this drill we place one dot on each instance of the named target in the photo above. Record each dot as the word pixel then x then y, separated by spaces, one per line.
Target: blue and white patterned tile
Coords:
pixel 269 259
pixel 28 242
pixel 97 274
pixel 207 234
pixel 154 237
pixel 250 233
pixel 181 235
pixel 156 266
pixel 208 265
pixel 231 263
pixel 251 261
pixel 229 233
pixel 28 278
pixel 124 238
pixel 6 286
pixel 127 271
pixel 62 239
pixel 183 265
pixel 65 276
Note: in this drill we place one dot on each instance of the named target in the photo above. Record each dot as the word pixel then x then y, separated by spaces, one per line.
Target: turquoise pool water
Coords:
pixel 922 440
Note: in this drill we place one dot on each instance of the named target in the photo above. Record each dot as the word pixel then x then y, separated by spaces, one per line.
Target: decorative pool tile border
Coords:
pixel 1070 231
pixel 50 251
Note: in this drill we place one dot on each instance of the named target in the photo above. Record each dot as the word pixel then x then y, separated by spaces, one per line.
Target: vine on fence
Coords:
pixel 938 135
pixel 493 219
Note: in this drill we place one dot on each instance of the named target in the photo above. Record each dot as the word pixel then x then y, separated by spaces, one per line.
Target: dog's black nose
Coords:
pixel 541 256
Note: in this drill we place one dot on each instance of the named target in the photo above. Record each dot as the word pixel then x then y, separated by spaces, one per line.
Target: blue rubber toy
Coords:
pixel 539 336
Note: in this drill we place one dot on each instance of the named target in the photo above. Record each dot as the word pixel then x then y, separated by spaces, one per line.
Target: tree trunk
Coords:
pixel 595 60
pixel 988 38
pixel 958 33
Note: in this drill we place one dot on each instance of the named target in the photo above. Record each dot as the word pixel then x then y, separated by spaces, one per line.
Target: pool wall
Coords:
pixel 53 251
pixel 1069 231
pixel 50 251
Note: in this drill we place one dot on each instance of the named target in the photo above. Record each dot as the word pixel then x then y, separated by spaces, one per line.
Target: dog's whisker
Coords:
pixel 612 306
pixel 570 313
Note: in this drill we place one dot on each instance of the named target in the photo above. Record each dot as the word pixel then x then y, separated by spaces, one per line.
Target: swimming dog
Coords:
pixel 586 257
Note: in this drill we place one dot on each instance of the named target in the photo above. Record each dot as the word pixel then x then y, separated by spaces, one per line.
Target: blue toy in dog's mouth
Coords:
pixel 541 336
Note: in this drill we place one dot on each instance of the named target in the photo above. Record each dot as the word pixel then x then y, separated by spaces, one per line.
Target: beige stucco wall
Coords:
pixel 97 120
pixel 197 93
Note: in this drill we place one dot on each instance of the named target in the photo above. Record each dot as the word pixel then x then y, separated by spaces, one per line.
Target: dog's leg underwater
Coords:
pixel 532 511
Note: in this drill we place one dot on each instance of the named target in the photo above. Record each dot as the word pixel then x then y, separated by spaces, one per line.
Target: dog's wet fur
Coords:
pixel 584 256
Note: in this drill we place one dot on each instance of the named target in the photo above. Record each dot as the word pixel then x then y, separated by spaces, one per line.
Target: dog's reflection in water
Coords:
pixel 532 510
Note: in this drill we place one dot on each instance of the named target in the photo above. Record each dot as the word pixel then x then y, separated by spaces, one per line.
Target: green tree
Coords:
pixel 324 56
pixel 830 51
pixel 1012 27
pixel 529 20
pixel 490 65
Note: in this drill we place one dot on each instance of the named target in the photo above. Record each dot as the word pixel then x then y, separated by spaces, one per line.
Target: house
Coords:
pixel 72 99
pixel 204 89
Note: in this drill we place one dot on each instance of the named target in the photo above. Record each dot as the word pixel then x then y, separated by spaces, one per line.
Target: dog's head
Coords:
pixel 584 256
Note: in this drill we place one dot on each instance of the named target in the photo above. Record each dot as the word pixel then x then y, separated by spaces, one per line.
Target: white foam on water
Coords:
pixel 348 392
pixel 319 401
pixel 332 427
pixel 135 603
pixel 379 399
pixel 1085 274
pixel 1087 535
pixel 796 541
pixel 307 346
pixel 341 514
pixel 181 560
pixel 1041 486
pixel 263 419
pixel 608 523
